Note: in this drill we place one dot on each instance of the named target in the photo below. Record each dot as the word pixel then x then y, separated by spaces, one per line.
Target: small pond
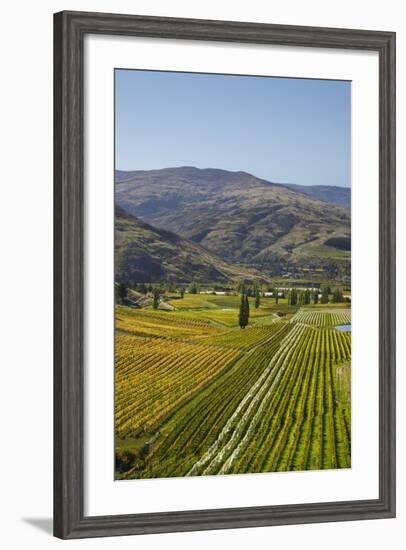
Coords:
pixel 344 328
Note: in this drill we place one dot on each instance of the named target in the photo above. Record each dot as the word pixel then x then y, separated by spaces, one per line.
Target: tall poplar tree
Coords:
pixel 324 295
pixel 247 310
pixel 244 312
pixel 155 295
pixel 193 288
pixel 293 297
pixel 338 295
pixel 122 292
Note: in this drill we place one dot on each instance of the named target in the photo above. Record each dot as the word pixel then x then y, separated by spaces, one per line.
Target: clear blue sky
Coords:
pixel 284 130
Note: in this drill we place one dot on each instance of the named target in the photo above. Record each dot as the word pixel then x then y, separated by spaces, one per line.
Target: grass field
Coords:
pixel 197 395
pixel 324 251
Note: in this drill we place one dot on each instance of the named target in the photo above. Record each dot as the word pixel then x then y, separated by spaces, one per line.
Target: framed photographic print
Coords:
pixel 224 274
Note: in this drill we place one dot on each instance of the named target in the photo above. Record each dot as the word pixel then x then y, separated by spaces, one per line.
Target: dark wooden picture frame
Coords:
pixel 69 31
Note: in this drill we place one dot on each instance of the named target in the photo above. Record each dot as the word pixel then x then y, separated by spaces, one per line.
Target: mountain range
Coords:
pixel 144 253
pixel 244 220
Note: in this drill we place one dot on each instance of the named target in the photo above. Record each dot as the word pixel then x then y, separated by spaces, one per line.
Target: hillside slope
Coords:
pixel 145 254
pixel 339 196
pixel 243 219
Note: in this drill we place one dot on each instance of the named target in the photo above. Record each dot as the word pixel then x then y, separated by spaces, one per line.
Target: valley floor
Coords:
pixel 197 395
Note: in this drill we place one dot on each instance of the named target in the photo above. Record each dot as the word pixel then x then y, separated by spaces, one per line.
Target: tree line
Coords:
pixel 307 297
pixel 294 297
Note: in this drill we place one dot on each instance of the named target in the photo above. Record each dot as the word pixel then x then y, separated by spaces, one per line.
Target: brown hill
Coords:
pixel 241 218
pixel 146 254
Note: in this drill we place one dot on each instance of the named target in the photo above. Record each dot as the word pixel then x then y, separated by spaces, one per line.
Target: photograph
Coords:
pixel 207 211
pixel 232 274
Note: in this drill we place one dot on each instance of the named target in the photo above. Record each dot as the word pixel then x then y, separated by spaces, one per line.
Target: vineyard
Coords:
pixel 159 376
pixel 322 318
pixel 197 395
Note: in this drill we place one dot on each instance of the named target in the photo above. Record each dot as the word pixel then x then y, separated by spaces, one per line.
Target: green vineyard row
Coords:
pixel 282 405
pixel 322 318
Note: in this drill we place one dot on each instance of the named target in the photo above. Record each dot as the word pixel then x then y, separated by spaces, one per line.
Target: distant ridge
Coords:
pixel 333 194
pixel 340 196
